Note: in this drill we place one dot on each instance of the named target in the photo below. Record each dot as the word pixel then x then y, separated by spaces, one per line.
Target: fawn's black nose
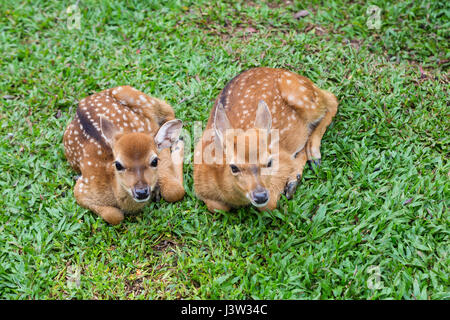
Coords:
pixel 141 193
pixel 260 196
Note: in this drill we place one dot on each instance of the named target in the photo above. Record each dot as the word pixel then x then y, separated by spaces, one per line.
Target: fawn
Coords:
pixel 125 144
pixel 277 119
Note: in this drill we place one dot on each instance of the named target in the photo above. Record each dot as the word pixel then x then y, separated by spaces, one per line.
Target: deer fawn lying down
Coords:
pixel 121 141
pixel 265 125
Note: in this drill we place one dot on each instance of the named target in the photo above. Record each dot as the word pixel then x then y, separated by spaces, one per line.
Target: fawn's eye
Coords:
pixel 119 166
pixel 154 162
pixel 234 169
pixel 269 164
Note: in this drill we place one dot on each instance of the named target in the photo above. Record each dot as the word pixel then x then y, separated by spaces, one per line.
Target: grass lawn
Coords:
pixel 371 223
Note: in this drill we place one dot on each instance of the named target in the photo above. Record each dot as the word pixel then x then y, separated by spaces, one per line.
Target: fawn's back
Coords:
pixel 125 107
pixel 294 103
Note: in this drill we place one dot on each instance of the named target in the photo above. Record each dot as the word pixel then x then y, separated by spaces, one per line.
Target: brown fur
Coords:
pixel 299 110
pixel 121 124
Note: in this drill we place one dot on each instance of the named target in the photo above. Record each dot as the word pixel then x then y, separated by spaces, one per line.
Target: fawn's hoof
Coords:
pixel 156 194
pixel 314 164
pixel 291 187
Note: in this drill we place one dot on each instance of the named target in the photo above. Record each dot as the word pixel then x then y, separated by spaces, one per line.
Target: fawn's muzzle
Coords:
pixel 141 194
pixel 260 197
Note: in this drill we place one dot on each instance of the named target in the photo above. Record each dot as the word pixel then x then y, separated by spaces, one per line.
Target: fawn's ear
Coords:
pixel 221 124
pixel 168 134
pixel 263 119
pixel 108 131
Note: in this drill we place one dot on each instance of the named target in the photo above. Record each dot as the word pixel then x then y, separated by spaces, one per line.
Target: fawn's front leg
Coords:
pixel 170 172
pixel 313 144
pixel 296 175
pixel 88 198
pixel 214 205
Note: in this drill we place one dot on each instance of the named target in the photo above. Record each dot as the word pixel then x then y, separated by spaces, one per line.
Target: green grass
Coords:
pixel 371 223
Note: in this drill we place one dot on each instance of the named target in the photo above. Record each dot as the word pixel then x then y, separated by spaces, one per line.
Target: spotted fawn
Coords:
pixel 277 119
pixel 125 144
